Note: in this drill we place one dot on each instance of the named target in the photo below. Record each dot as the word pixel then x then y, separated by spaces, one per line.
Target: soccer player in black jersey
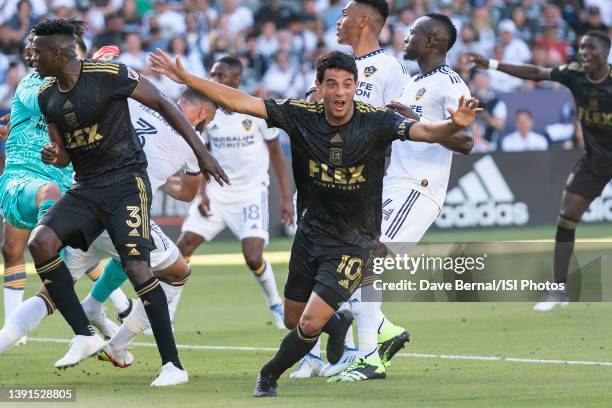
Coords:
pixel 85 106
pixel 590 81
pixel 338 149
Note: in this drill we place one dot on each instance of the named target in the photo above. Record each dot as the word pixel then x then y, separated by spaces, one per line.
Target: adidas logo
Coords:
pixel 134 233
pixel 482 198
pixel 47 282
pixel 134 252
pixel 68 105
pixel 337 138
pixel 344 283
pixel 601 207
pixel 146 303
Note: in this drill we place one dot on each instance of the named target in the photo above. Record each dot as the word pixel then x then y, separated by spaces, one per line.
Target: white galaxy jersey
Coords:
pixel 166 150
pixel 238 142
pixel 426 167
pixel 381 78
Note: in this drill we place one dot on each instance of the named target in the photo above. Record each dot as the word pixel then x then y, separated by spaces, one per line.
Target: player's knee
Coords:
pixel 254 260
pixel 290 321
pixel 49 191
pixel 138 272
pixel 43 244
pixel 310 326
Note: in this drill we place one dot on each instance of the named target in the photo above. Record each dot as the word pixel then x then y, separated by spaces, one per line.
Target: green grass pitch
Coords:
pixel 222 306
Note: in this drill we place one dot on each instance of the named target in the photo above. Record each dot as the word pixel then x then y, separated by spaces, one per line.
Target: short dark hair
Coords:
pixel 448 25
pixel 57 26
pixel 194 96
pixel 381 6
pixel 335 60
pixel 232 62
pixel 600 35
pixel 523 111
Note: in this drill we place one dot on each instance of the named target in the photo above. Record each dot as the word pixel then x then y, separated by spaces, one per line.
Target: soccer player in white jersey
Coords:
pixel 417 178
pixel 244 146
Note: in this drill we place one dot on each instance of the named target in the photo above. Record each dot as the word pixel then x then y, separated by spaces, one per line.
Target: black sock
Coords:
pixel 156 306
pixel 332 326
pixel 293 348
pixel 564 247
pixel 57 280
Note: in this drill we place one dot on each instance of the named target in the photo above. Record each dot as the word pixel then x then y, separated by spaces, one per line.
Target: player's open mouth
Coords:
pixel 339 104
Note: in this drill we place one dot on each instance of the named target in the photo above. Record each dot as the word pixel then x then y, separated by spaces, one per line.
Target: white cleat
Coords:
pixel 22 341
pixel 279 316
pixel 309 366
pixel 119 358
pixel 555 298
pixel 81 347
pixel 348 358
pixel 170 375
pixel 107 327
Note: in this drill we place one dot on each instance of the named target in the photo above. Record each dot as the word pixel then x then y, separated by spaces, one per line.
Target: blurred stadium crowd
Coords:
pixel 279 41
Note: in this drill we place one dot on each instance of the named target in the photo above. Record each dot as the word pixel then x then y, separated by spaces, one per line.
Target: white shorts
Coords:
pixel 79 262
pixel 407 215
pixel 245 213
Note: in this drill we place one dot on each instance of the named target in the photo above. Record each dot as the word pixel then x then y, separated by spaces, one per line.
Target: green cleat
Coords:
pixel 390 341
pixel 370 368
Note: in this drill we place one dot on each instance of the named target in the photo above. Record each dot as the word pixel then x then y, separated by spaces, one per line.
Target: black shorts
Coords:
pixel 584 181
pixel 121 208
pixel 332 273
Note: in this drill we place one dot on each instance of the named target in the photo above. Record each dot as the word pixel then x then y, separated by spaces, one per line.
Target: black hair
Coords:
pixel 523 111
pixel 448 25
pixel 335 60
pixel 195 96
pixel 57 26
pixel 233 62
pixel 600 35
pixel 381 6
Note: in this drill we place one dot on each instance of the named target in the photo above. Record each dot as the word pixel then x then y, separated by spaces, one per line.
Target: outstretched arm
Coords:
pixel 437 132
pixel 460 142
pixel 184 187
pixel 225 96
pixel 523 71
pixel 147 94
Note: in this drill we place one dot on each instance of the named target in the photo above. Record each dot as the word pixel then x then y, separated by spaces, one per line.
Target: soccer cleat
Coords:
pixel 81 347
pixel 370 368
pixel 309 366
pixel 118 358
pixel 265 386
pixel 22 341
pixel 348 358
pixel 279 316
pixel 555 298
pixel 99 320
pixel 335 344
pixel 391 340
pixel 122 315
pixel 170 375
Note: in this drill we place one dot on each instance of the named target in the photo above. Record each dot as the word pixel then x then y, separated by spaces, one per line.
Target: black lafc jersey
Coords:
pixel 94 119
pixel 594 105
pixel 338 170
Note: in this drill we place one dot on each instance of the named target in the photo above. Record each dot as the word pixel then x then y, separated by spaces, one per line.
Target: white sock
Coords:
pixel 172 306
pixel 366 314
pixel 91 306
pixel 12 300
pixel 349 341
pixel 316 350
pixel 268 285
pixel 137 321
pixel 25 319
pixel 120 300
